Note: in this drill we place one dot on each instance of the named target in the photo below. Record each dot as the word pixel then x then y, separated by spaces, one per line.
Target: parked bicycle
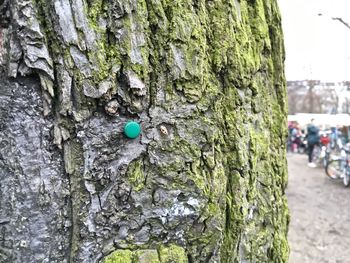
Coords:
pixel 321 155
pixel 338 167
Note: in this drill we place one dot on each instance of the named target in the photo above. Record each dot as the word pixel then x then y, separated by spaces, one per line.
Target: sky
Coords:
pixel 317 47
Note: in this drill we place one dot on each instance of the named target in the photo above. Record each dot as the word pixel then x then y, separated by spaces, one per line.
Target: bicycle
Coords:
pixel 338 167
pixel 320 155
pixel 326 155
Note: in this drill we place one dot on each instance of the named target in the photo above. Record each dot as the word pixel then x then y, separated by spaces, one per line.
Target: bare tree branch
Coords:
pixel 341 21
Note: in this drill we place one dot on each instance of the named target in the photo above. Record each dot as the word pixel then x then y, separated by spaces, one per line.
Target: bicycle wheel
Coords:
pixel 346 178
pixel 325 160
pixel 316 153
pixel 324 155
pixel 334 169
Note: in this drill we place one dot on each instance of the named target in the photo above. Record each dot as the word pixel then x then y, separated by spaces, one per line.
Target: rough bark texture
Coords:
pixel 205 180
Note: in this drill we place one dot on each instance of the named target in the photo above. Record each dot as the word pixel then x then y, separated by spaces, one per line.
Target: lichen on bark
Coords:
pixel 209 73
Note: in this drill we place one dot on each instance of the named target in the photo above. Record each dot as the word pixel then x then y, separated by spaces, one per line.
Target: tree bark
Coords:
pixel 204 182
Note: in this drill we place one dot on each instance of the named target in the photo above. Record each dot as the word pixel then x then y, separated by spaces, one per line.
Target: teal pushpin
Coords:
pixel 132 129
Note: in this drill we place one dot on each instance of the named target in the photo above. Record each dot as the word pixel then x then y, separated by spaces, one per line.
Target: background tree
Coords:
pixel 346 103
pixel 320 98
pixel 204 182
pixel 296 94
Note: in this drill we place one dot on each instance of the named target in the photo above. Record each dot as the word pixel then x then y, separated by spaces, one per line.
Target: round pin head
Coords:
pixel 132 129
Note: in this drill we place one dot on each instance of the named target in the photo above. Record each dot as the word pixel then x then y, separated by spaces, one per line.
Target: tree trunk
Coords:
pixel 205 179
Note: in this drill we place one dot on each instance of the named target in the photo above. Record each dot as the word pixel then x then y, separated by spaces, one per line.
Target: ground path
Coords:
pixel 320 215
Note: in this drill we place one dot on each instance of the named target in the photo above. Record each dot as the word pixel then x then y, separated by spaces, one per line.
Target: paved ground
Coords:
pixel 320 215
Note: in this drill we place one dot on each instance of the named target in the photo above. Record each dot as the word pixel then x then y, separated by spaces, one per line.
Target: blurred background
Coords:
pixel 317 43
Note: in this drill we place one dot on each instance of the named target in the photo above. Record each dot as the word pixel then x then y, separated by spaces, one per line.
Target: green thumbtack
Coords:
pixel 132 129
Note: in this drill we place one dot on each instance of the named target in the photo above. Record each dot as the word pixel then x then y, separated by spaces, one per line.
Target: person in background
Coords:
pixel 290 137
pixel 293 137
pixel 334 137
pixel 313 139
pixel 297 139
pixel 324 139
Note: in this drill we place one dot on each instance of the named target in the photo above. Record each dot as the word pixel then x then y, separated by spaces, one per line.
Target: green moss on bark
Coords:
pixel 171 254
pixel 136 175
pixel 215 70
pixel 164 254
pixel 119 256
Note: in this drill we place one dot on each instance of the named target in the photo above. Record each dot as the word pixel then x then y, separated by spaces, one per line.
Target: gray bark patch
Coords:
pixel 34 206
